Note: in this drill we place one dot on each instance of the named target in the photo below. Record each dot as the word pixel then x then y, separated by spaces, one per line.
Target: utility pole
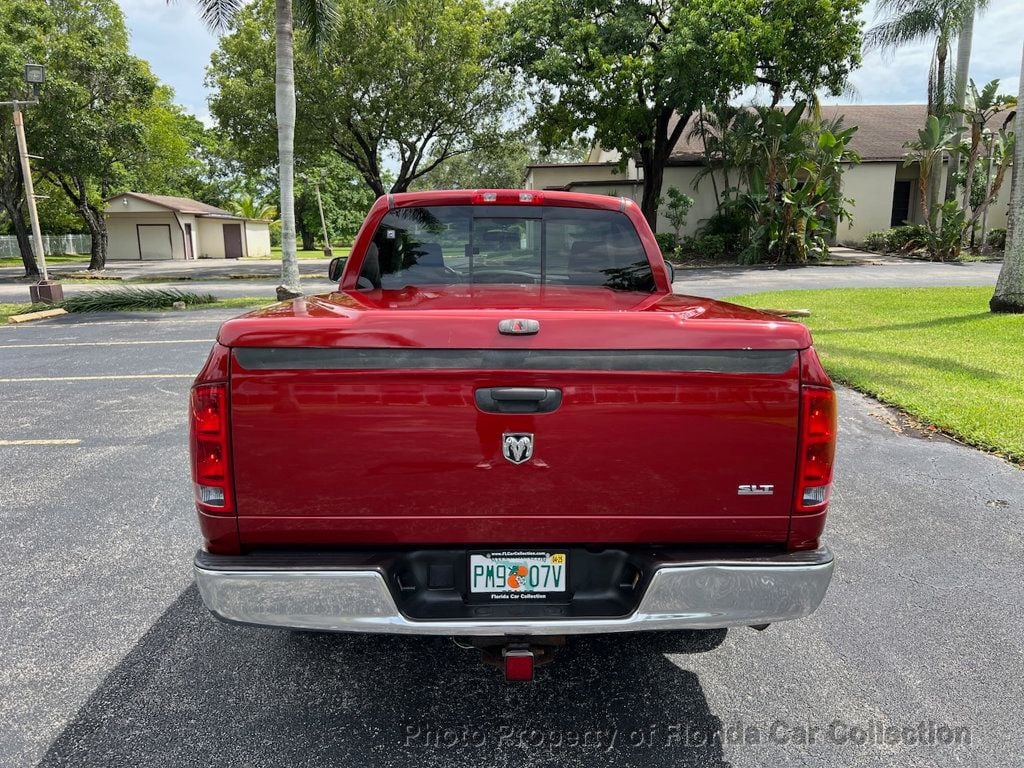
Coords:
pixel 323 222
pixel 45 291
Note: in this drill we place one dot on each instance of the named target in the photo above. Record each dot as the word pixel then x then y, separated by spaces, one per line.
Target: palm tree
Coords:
pixel 913 21
pixel 1009 293
pixel 316 17
pixel 964 41
pixel 251 208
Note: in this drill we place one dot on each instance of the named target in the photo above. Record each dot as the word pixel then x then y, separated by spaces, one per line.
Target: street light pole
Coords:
pixel 30 193
pixel 45 290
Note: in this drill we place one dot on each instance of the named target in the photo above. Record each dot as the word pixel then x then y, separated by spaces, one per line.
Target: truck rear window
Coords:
pixel 516 245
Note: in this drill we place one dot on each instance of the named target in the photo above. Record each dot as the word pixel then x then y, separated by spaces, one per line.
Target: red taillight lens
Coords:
pixel 817 448
pixel 211 459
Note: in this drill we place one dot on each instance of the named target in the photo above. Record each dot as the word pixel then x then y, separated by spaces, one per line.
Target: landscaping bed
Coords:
pixel 936 353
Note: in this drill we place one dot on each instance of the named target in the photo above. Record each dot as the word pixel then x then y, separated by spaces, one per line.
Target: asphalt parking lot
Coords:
pixel 109 658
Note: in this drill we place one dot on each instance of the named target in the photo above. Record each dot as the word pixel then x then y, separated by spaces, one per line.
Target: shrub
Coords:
pixel 906 237
pixel 996 239
pixel 668 243
pixel 677 208
pixel 875 241
pixel 730 224
pixel 709 246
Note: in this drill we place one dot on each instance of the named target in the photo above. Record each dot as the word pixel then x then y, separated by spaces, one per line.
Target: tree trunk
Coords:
pixel 98 230
pixel 941 108
pixel 963 66
pixel 1009 293
pixel 654 155
pixel 12 193
pixel 284 102
pixel 28 257
pixel 654 176
pixel 306 235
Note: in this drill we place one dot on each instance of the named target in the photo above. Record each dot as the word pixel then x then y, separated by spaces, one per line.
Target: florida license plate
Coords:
pixel 515 575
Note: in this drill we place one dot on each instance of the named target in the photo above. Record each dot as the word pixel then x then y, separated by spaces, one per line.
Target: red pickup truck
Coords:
pixel 504 426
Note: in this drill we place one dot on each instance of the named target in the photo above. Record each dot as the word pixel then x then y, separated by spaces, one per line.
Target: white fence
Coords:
pixel 51 243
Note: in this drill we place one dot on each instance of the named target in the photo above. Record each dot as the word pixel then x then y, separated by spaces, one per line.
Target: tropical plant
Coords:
pixel 932 143
pixel 316 17
pixel 677 207
pixel 1009 293
pixel 719 127
pixel 980 107
pixel 793 179
pixel 251 207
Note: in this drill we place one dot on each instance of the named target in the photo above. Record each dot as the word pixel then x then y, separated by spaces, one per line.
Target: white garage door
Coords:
pixel 155 241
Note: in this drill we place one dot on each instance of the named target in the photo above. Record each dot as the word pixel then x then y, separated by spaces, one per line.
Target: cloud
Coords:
pixel 177 45
pixel 901 77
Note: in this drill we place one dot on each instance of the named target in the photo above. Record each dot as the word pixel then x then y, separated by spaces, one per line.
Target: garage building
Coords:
pixel 158 227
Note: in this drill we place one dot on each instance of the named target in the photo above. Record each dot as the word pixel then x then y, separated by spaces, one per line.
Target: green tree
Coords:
pixel 1009 293
pixel 346 200
pixel 90 116
pixel 631 73
pixel 417 84
pixel 170 158
pixel 501 165
pixel 316 17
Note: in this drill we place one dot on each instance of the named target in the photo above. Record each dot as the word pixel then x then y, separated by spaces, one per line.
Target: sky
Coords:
pixel 174 40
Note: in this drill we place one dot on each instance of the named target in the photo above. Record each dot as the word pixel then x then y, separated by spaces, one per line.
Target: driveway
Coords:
pixel 716 282
pixel 110 659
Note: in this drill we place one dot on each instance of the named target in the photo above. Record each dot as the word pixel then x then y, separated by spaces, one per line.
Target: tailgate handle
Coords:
pixel 518 399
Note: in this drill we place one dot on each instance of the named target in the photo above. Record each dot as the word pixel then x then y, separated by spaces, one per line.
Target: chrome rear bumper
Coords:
pixel 698 594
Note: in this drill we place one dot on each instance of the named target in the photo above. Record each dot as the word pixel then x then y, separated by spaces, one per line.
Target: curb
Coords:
pixel 41 315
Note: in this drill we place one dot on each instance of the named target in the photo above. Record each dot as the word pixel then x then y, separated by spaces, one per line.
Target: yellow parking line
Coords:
pixel 102 378
pixel 105 343
pixel 40 442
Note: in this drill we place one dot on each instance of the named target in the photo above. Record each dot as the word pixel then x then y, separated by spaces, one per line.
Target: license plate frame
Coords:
pixel 546 578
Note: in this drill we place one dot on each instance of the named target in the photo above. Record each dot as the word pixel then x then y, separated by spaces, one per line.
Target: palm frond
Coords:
pixel 913 26
pixel 217 14
pixel 124 299
pixel 317 19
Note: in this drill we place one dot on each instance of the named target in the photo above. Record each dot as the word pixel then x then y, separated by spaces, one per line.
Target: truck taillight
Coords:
pixel 508 197
pixel 817 448
pixel 211 458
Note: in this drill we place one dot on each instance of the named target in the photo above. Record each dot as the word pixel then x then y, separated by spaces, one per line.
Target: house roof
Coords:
pixel 882 129
pixel 180 205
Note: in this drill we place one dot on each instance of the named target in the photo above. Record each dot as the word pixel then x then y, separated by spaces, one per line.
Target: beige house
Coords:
pixel 158 227
pixel 884 193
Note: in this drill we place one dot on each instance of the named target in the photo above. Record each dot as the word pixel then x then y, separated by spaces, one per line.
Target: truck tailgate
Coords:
pixel 348 446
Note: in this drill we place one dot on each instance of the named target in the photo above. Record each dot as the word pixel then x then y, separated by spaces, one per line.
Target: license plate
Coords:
pixel 514 575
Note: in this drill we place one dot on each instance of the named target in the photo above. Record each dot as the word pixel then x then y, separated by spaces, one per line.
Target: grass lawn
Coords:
pixel 56 258
pixel 236 302
pixel 337 250
pixel 937 353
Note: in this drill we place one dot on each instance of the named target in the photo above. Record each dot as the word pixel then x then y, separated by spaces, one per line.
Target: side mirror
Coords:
pixel 335 268
pixel 671 271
